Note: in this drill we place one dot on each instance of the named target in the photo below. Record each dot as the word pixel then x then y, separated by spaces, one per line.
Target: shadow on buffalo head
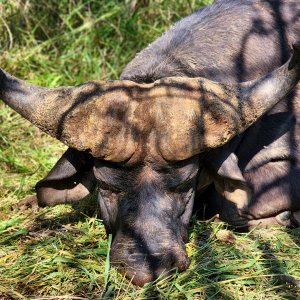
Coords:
pixel 137 146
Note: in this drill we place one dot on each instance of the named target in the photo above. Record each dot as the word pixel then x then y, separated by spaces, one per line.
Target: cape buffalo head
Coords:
pixel 140 145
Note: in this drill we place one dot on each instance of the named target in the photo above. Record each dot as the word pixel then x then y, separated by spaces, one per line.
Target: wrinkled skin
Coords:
pixel 147 205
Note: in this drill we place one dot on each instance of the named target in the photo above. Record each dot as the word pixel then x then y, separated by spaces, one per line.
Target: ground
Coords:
pixel 62 252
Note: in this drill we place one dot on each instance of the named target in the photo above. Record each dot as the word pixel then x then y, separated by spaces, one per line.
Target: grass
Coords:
pixel 63 252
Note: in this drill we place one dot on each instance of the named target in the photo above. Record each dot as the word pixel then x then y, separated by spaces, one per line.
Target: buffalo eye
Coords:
pixel 184 186
pixel 108 187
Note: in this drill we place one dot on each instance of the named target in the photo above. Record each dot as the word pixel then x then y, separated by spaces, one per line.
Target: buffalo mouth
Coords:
pixel 142 262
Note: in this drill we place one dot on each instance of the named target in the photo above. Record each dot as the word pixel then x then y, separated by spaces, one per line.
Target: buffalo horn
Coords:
pixel 113 120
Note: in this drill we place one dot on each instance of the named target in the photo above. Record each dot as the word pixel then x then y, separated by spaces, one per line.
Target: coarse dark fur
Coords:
pixel 228 41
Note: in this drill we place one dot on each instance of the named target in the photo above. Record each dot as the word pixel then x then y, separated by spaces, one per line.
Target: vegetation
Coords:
pixel 62 252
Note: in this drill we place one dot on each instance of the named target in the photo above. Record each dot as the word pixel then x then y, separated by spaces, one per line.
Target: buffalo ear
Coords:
pixel 227 175
pixel 224 163
pixel 229 169
pixel 71 179
pixel 231 184
pixel 221 163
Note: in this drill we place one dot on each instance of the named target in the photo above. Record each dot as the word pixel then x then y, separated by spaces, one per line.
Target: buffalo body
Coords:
pixel 148 147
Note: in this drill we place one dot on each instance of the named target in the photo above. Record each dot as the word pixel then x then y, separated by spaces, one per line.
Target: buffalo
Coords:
pixel 177 127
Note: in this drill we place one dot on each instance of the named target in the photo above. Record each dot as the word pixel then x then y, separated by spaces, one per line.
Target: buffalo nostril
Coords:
pixel 173 265
pixel 186 263
pixel 140 279
pixel 183 263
